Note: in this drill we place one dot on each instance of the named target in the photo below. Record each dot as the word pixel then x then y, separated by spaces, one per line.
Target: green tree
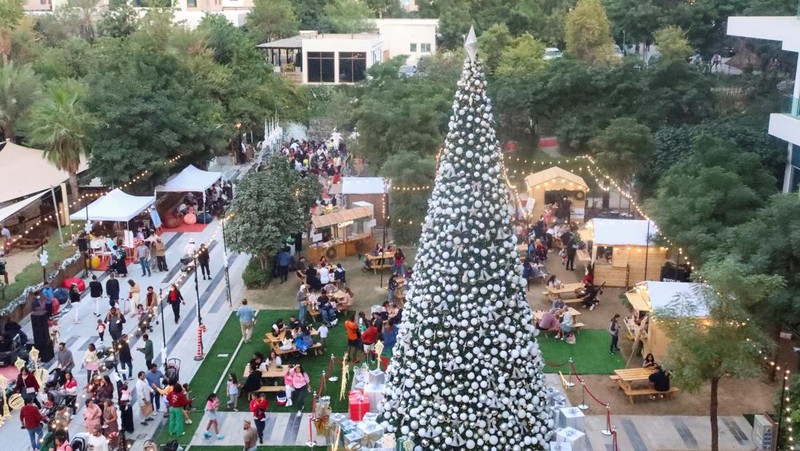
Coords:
pixel 348 16
pixel 88 11
pixel 718 187
pixel 523 57
pixel 724 344
pixel 119 20
pixel 454 23
pixel 19 89
pixel 11 13
pixel 492 43
pixel 265 211
pixel 673 44
pixel 59 124
pixel 588 32
pixel 270 20
pixel 633 20
pixel 407 208
pixel 623 147
pixel 309 13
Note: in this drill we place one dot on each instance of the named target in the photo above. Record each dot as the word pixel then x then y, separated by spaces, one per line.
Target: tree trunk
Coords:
pixel 9 133
pixel 73 187
pixel 713 413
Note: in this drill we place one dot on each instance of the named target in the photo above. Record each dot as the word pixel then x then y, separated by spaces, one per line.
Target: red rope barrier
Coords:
pixel 609 427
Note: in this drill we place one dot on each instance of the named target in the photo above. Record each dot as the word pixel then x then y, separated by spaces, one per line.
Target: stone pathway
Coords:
pixel 282 429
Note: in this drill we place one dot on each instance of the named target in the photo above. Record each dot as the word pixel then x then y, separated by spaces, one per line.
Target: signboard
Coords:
pixel 316 238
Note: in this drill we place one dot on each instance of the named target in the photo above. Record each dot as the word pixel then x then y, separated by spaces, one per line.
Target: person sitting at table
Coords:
pixel 278 327
pixel 659 381
pixel 287 344
pixel 253 381
pixel 274 361
pixel 300 268
pixel 339 274
pixel 392 286
pixel 345 300
pixel 566 323
pixel 538 271
pixel 558 304
pixel 589 296
pixel 257 360
pixel 323 261
pixel 377 250
pixel 294 324
pixel 324 275
pixel 303 340
pixel 554 282
pixel 327 309
pixel 330 288
pixel 649 361
pixel 548 323
pixel 313 278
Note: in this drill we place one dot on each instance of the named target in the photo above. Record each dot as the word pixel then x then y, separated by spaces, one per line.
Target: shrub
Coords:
pixel 254 277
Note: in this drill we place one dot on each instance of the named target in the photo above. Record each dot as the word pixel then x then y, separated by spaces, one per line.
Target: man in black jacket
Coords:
pixel 112 290
pixel 125 357
pixel 96 292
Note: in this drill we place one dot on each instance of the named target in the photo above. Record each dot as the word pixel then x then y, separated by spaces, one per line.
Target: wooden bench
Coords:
pixel 267 389
pixel 630 393
pixel 615 378
pixel 578 327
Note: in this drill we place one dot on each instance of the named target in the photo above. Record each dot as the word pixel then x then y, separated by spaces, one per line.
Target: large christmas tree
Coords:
pixel 467 371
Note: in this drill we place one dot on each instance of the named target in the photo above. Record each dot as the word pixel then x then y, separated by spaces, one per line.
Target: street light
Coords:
pixel 240 150
pixel 225 262
pixel 163 327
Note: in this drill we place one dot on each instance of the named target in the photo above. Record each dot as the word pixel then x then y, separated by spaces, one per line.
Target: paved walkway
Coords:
pixel 282 429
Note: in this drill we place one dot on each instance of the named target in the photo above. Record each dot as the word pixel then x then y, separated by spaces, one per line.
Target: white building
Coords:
pixel 321 58
pixel 786 124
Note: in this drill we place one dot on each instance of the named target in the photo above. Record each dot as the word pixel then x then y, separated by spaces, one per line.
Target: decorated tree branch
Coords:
pixel 467 370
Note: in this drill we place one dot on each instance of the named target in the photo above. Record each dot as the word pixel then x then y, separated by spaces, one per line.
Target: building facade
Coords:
pixel 784 125
pixel 413 37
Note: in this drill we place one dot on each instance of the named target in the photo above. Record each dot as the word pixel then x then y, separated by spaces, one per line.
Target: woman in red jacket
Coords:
pixel 177 400
pixel 27 386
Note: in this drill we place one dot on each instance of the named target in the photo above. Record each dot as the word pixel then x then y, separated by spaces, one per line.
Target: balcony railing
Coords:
pixel 791 106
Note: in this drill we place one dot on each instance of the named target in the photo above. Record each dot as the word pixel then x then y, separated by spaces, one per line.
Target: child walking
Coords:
pixel 233 392
pixel 101 329
pixel 212 404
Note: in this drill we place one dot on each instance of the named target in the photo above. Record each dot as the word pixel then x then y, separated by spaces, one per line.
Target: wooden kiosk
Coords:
pixel 645 298
pixel 622 250
pixel 548 186
pixel 342 233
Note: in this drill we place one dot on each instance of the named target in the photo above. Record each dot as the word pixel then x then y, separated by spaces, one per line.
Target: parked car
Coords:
pixel 407 70
pixel 552 53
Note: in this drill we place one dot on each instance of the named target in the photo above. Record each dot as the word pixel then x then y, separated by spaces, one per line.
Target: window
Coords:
pixel 191 3
pixel 425 48
pixel 321 67
pixel 413 47
pixel 352 66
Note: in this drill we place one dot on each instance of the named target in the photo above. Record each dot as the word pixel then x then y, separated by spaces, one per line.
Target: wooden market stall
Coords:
pixel 647 297
pixel 342 233
pixel 550 186
pixel 622 251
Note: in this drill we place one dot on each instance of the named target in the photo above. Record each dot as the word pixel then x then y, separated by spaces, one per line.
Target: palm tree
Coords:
pixel 19 89
pixel 11 12
pixel 88 13
pixel 59 123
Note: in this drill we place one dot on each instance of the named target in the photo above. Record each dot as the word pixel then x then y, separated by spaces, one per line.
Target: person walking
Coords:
pixel 64 358
pixel 92 416
pixel 232 389
pixel 124 355
pixel 154 378
pixel 91 362
pixel 115 320
pixel 161 255
pixel 572 250
pixel 246 317
pixel 203 259
pixel 258 407
pixel 282 262
pixel 134 296
pixel 613 329
pixel 75 301
pixel 250 437
pixel 112 290
pixel 212 405
pixel 96 292
pixel 144 396
pixel 147 350
pixel 302 294
pixel 177 400
pixel 32 419
pixel 110 423
pixel 300 381
pixel 175 299
pixel 143 254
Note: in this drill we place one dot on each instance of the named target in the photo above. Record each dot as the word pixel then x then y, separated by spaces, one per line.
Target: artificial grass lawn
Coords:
pixel 212 368
pixel 589 353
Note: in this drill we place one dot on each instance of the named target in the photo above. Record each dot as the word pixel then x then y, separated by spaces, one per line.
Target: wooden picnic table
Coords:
pixel 272 371
pixel 566 289
pixel 625 377
pixel 270 338
pixel 538 314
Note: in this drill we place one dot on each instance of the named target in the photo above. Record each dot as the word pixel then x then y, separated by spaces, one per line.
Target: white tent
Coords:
pixel 115 206
pixel 362 185
pixel 621 232
pixel 26 171
pixel 9 210
pixel 190 179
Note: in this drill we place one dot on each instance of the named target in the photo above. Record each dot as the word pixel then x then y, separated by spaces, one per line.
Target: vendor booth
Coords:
pixel 647 297
pixel 342 233
pixel 190 180
pixel 363 189
pixel 622 251
pixel 551 187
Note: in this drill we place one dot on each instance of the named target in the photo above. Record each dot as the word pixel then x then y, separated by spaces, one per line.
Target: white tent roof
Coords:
pixel 661 294
pixel 621 232
pixel 115 206
pixel 362 185
pixel 9 210
pixel 190 179
pixel 25 171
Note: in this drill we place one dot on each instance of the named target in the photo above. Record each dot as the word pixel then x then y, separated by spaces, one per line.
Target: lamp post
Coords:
pixel 87 228
pixel 225 262
pixel 240 151
pixel 163 327
pixel 385 221
pixel 200 352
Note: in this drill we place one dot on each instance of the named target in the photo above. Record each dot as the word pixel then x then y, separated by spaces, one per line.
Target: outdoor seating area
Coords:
pixel 630 381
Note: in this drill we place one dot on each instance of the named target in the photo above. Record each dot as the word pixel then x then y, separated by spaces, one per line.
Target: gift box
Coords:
pixel 560 446
pixel 338 418
pixel 348 426
pixel 555 398
pixel 375 395
pixel 372 432
pixel 377 377
pixel 388 441
pixel 353 438
pixel 571 417
pixel 371 416
pixel 575 438
pixel 359 405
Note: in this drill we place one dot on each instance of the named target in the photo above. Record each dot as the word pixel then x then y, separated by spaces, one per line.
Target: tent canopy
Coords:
pixel 649 296
pixel 115 206
pixel 26 171
pixel 620 232
pixel 339 217
pixel 190 179
pixel 554 173
pixel 9 210
pixel 362 185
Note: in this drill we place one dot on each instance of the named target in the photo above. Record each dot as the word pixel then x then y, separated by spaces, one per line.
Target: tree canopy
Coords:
pixel 588 32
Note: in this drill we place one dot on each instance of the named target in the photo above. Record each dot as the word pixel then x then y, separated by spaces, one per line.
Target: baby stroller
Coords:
pixel 173 370
pixel 590 294
pixel 80 442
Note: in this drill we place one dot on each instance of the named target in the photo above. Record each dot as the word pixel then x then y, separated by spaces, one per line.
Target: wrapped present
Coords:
pixel 575 438
pixel 571 417
pixel 348 426
pixel 352 438
pixel 338 418
pixel 377 377
pixel 372 431
pixel 388 441
pixel 560 446
pixel 371 416
pixel 359 405
pixel 375 395
pixel 359 385
pixel 556 398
